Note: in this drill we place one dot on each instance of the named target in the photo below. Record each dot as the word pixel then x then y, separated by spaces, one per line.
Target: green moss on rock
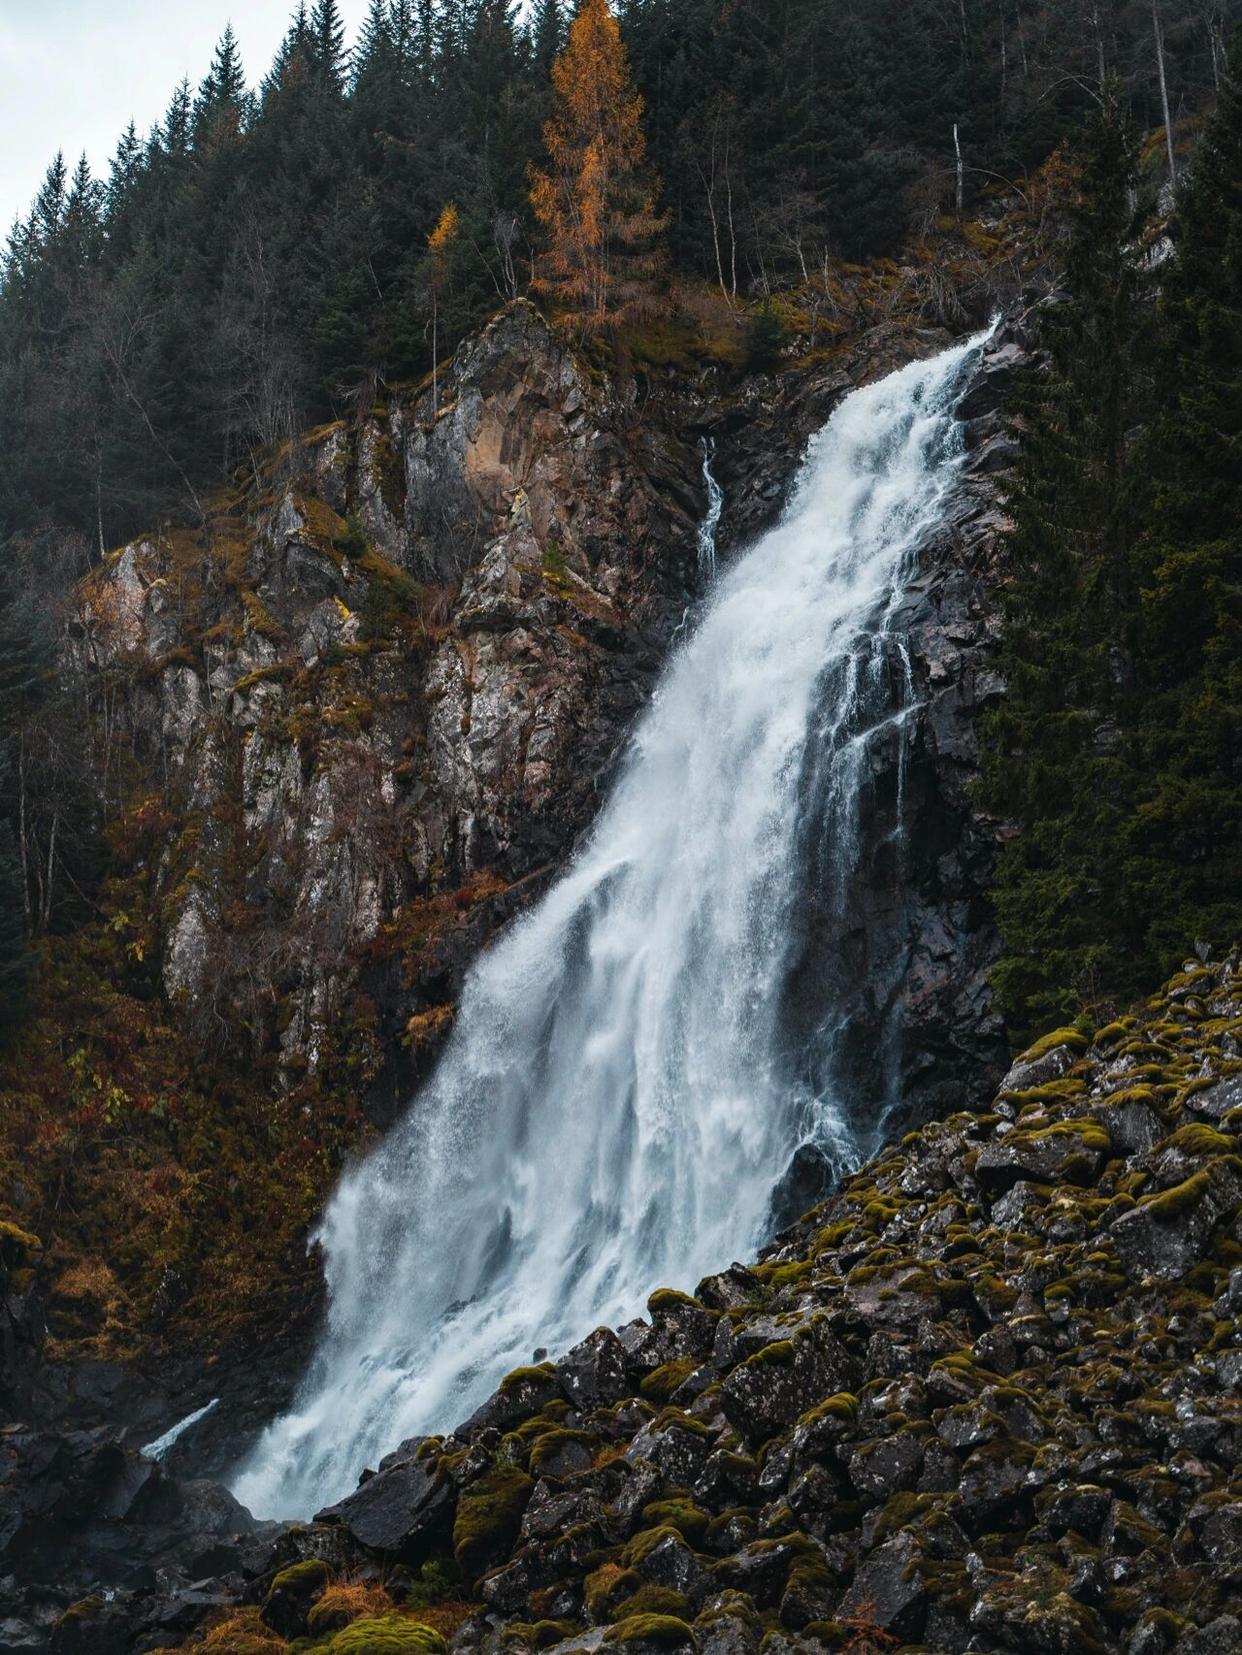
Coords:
pixel 388 1635
pixel 660 1384
pixel 489 1514
pixel 664 1631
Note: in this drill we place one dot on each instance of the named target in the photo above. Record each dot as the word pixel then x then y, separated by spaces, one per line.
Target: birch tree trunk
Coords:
pixel 1164 92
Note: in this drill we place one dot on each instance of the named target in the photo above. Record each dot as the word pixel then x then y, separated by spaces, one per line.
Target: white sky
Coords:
pixel 74 72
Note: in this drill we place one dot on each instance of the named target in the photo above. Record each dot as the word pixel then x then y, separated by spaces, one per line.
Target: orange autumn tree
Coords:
pixel 440 244
pixel 597 200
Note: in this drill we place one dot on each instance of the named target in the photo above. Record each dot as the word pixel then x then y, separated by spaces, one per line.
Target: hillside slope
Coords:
pixel 988 1396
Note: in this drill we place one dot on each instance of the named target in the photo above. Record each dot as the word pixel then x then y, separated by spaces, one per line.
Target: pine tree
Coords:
pixel 375 54
pixel 178 123
pixel 596 204
pixel 221 103
pixel 326 34
pixel 403 31
pixel 292 55
pixel 123 173
pixel 1186 859
pixel 547 30
pixel 1058 761
pixel 49 205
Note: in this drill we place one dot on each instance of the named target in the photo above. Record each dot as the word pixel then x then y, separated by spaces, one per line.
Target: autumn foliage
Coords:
pixel 596 202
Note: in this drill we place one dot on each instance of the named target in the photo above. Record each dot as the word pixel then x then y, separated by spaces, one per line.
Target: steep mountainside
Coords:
pixel 348 725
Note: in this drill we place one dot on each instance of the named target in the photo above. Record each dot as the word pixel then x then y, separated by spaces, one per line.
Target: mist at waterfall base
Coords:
pixel 618 1102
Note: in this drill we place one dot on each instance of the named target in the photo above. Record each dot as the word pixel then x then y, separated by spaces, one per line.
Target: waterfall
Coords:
pixel 620 1100
pixel 715 507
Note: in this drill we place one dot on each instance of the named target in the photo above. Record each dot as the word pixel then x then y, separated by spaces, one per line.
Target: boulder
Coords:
pixel 397 1507
pixel 1064 1153
pixel 772 1389
pixel 593 1374
pixel 889 1590
pixel 1169 1232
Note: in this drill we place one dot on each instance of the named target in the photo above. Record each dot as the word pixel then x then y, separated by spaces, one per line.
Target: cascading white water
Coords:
pixel 715 510
pixel 617 1103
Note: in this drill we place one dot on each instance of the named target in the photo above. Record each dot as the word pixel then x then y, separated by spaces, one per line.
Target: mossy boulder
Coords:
pixel 1169 1231
pixel 772 1389
pixel 661 1382
pixel 1065 1152
pixel 292 1593
pixel 389 1634
pixel 489 1514
pixel 653 1631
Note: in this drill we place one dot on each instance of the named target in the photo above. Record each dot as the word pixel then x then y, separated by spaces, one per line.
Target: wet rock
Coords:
pixel 395 1507
pixel 1030 1613
pixel 1038 1071
pixel 995 1481
pixel 671 1563
pixel 1056 1155
pixel 759 1569
pixel 729 1290
pixel 508 1589
pixel 678 1449
pixel 886 1466
pixel 593 1373
pixel 724 1634
pixel 889 1590
pixel 1217 1101
pixel 807 1179
pixel 1220 1637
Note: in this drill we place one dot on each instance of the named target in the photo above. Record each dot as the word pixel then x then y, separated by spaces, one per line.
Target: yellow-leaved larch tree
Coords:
pixel 596 201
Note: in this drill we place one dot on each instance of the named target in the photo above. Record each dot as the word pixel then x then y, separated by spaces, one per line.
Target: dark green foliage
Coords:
pixel 764 337
pixel 49 850
pixel 25 660
pixel 1056 764
pixel 259 261
pixel 1187 840
pixel 1117 753
pixel 16 957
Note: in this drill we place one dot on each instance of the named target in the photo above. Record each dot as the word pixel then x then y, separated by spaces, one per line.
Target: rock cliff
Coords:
pixel 353 719
pixel 375 694
pixel 376 688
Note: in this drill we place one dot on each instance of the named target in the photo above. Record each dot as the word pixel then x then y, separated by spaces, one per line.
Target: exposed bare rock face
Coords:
pixel 376 695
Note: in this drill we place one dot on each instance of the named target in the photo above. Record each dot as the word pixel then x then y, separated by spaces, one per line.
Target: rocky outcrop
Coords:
pixel 988 1396
pixel 373 694
pixel 99 1547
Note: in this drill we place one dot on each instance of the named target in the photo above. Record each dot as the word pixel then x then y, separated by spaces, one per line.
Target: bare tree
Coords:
pixel 1164 92
pixel 713 165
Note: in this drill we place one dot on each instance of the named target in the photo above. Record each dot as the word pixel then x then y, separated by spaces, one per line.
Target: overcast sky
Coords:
pixel 74 72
